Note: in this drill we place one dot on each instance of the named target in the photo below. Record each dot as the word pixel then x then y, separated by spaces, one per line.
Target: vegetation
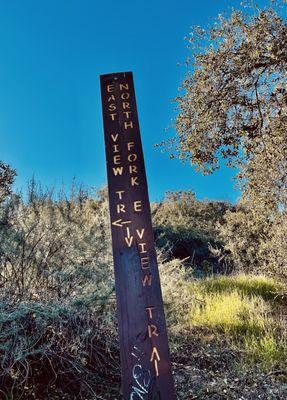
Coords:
pixel 7 175
pixel 56 350
pixel 55 247
pixel 227 331
pixel 232 107
pixel 58 335
pixel 56 297
pixel 223 266
pixel 245 308
pixel 185 228
pixel 233 102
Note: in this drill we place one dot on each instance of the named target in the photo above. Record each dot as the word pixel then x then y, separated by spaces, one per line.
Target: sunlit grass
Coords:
pixel 257 285
pixel 268 348
pixel 230 313
pixel 242 309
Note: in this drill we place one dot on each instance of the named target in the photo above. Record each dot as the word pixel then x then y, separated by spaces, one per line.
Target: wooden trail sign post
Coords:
pixel 145 362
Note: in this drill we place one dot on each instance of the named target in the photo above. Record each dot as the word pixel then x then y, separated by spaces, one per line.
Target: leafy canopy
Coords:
pixel 233 102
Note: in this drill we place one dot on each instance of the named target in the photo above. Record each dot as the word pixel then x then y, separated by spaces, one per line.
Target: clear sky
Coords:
pixel 52 53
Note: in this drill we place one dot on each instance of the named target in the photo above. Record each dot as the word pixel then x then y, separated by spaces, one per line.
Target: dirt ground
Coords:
pixel 209 372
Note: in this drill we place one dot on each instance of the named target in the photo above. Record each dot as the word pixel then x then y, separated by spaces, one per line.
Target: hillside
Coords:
pixel 227 327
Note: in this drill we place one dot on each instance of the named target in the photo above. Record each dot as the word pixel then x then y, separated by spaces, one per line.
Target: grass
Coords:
pixel 230 313
pixel 245 309
pixel 268 349
pixel 258 285
pixel 241 309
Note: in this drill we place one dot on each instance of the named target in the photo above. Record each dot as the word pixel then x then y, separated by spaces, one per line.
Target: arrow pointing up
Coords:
pixel 155 358
pixel 154 355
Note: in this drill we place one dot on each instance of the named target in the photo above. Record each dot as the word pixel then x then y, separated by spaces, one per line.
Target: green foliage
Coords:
pixel 255 242
pixel 233 107
pixel 57 305
pixel 181 211
pixel 257 285
pixel 229 313
pixel 270 350
pixel 233 101
pixel 57 308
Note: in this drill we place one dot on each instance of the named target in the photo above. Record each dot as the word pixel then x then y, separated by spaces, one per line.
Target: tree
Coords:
pixel 233 102
pixel 7 176
pixel 232 107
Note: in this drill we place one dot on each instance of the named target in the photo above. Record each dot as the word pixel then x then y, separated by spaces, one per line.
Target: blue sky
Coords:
pixel 52 53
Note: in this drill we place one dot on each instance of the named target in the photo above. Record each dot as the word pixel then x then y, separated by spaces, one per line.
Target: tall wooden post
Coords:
pixel 145 361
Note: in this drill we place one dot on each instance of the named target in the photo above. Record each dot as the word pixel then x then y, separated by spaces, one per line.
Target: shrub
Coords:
pixel 56 350
pixel 187 226
pixel 55 247
pixel 254 241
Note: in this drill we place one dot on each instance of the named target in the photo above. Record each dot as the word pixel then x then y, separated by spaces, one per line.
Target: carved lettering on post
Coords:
pixel 145 361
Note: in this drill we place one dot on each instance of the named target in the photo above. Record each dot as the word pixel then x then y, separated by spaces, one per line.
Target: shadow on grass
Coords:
pixel 261 286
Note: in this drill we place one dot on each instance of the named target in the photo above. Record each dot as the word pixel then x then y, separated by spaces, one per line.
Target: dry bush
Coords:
pixel 55 248
pixel 57 306
pixel 254 240
pixel 186 227
pixel 7 175
pixel 57 351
